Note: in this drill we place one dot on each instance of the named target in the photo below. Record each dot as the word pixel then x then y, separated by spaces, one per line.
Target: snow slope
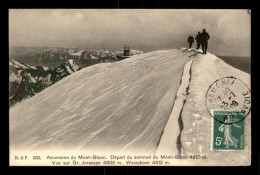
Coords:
pixel 153 103
pixel 195 134
pixel 197 120
pixel 121 107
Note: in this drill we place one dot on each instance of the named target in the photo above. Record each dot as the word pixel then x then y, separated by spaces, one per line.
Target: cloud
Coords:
pixel 140 28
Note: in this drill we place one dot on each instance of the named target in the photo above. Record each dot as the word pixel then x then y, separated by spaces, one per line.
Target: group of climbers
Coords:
pixel 201 39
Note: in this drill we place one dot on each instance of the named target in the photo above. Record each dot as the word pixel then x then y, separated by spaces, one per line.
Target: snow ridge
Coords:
pixel 180 121
pixel 170 140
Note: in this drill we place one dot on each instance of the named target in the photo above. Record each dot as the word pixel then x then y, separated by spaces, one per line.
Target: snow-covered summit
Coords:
pixel 194 132
pixel 127 107
pixel 119 105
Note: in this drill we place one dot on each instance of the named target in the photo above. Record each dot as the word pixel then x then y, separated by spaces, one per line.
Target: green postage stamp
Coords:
pixel 228 130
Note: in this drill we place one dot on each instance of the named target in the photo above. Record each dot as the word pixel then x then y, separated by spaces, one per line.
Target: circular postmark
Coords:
pixel 228 94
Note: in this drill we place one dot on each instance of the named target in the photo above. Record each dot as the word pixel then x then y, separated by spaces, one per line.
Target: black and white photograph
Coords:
pixel 129 87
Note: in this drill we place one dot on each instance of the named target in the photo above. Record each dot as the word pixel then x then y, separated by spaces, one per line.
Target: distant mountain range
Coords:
pixel 32 69
pixel 25 80
pixel 52 57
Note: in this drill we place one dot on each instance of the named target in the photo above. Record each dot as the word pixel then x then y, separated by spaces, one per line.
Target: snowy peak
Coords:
pixel 121 106
pixel 135 52
pixel 71 66
pixel 25 80
pixel 189 128
pixel 18 65
pixel 131 106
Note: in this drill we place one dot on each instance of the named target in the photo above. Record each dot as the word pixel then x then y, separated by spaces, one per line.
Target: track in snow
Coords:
pixel 170 140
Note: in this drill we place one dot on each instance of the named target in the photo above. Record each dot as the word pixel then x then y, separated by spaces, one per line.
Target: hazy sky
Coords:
pixel 147 30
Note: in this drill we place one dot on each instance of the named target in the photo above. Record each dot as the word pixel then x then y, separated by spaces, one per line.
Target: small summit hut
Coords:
pixel 126 50
pixel 124 55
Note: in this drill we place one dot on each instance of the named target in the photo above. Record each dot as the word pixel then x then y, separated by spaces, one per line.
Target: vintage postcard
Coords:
pixel 129 87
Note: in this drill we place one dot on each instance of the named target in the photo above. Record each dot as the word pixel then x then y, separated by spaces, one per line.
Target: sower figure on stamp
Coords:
pixel 204 41
pixel 190 40
pixel 229 139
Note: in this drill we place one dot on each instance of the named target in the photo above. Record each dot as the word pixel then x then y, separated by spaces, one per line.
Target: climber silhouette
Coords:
pixel 190 41
pixel 204 36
